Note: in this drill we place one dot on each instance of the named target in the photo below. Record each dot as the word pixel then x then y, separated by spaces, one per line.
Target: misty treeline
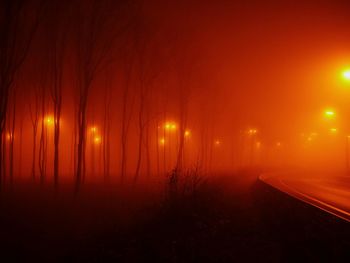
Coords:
pixel 99 89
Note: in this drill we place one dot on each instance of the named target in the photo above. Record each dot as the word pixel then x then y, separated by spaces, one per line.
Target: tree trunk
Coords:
pixel 80 174
pixel 34 152
pixel 139 155
pixel 56 150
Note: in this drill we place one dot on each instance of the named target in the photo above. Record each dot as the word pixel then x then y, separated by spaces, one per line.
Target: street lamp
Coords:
pixel 49 120
pixel 346 74
pixel 93 129
pixel 217 142
pixel 162 141
pixel 9 136
pixel 252 131
pixel 170 126
pixel 97 140
pixel 329 114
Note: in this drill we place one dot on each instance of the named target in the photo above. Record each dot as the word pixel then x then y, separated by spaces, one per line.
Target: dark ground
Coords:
pixel 227 219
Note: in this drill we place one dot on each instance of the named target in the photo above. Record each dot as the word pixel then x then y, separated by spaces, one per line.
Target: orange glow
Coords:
pixel 252 131
pixel 333 130
pixel 258 145
pixel 278 144
pixel 217 142
pixel 93 129
pixel 97 140
pixel 187 133
pixel 49 120
pixel 161 141
pixel 9 136
pixel 171 126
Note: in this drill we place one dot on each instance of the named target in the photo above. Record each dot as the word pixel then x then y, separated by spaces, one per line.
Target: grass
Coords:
pixel 214 219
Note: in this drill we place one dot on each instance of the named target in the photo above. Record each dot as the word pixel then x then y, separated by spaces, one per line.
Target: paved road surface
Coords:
pixel 330 193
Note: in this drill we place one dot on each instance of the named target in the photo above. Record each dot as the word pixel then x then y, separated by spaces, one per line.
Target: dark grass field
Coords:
pixel 225 219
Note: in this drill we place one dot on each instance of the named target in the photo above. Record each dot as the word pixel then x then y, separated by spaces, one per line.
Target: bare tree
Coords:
pixel 128 100
pixel 107 129
pixel 98 26
pixel 43 136
pixel 17 28
pixel 148 61
pixel 57 31
pixel 12 128
pixel 184 68
pixel 34 116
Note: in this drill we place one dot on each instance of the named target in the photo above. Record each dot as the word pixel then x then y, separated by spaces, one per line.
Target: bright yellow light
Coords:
pixel 49 120
pixel 187 133
pixel 161 141
pixel 97 140
pixel 346 74
pixel 170 126
pixel 329 113
pixel 93 129
pixel 333 130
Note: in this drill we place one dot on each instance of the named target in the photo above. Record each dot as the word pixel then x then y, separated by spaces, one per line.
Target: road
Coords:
pixel 330 193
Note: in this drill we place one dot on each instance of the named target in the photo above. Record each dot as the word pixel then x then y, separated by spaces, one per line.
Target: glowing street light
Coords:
pixel 217 142
pixel 333 130
pixel 49 120
pixel 93 129
pixel 346 74
pixel 97 140
pixel 170 126
pixel 162 141
pixel 9 136
pixel 329 114
pixel 252 131
pixel 187 133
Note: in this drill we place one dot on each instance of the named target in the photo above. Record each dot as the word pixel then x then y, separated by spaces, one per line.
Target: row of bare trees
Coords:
pixel 72 46
pixel 18 23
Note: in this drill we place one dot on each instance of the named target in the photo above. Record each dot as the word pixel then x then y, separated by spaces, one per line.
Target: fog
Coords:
pixel 128 91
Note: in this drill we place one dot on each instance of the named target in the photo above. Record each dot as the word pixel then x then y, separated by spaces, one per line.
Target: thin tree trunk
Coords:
pixel 139 155
pixel 20 147
pixel 34 152
pixel 56 145
pixel 12 136
pixel 80 174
